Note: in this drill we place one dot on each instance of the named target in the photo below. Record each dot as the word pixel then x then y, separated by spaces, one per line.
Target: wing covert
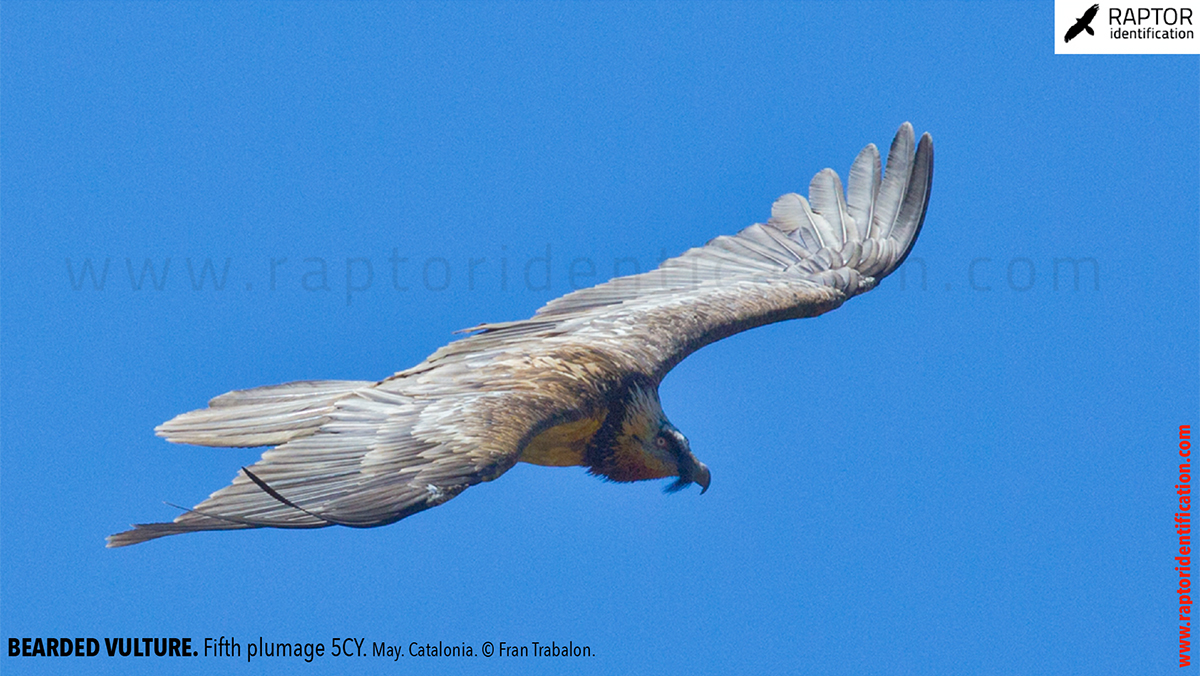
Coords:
pixel 807 259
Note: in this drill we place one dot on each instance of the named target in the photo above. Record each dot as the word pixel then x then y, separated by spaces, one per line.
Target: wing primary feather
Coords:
pixel 895 181
pixel 916 199
pixel 230 519
pixel 825 234
pixel 788 215
pixel 862 189
pixel 827 199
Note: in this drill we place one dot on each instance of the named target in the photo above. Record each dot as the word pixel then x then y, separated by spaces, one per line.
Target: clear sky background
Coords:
pixel 968 470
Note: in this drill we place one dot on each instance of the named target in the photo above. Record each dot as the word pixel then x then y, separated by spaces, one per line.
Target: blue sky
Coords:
pixel 968 470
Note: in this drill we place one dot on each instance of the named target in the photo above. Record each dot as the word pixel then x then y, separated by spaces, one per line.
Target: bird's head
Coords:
pixel 689 470
pixel 649 446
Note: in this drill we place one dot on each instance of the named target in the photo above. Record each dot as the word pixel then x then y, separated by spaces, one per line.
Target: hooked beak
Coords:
pixel 702 477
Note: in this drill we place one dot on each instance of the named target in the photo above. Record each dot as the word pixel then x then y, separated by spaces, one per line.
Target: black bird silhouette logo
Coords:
pixel 1082 24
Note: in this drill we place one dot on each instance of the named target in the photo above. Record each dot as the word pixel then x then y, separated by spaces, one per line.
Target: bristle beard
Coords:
pixel 676 486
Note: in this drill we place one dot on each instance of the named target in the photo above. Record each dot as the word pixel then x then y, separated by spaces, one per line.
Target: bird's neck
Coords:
pixel 617 451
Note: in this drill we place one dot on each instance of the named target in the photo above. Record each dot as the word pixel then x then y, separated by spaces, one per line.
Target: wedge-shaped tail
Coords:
pixel 263 416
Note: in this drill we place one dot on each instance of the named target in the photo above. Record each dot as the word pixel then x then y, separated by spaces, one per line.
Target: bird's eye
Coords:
pixel 661 441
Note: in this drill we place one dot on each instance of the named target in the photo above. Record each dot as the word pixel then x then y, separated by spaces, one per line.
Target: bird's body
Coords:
pixel 576 384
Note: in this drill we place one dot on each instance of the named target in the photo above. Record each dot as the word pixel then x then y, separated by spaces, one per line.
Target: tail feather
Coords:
pixel 262 416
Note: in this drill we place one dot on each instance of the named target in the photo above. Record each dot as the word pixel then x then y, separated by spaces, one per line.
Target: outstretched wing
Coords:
pixel 807 259
pixel 351 453
pixel 360 453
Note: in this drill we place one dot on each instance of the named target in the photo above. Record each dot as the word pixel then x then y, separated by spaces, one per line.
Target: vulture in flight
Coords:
pixel 574 385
